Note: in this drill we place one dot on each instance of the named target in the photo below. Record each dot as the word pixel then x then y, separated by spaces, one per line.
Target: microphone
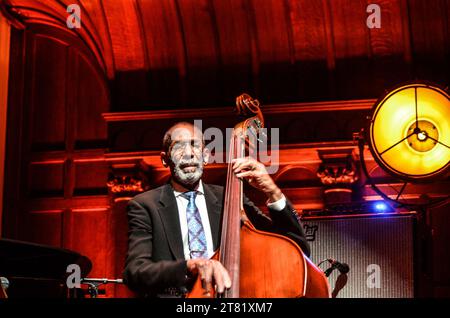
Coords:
pixel 4 282
pixel 343 268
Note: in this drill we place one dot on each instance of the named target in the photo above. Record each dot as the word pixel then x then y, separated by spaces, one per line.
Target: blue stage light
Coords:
pixel 380 207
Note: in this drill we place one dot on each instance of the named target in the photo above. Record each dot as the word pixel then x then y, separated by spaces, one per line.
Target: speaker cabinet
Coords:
pixel 378 249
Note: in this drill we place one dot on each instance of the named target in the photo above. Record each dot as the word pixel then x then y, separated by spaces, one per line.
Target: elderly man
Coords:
pixel 175 229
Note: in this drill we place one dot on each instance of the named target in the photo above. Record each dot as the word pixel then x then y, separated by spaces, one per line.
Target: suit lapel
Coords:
pixel 168 212
pixel 214 213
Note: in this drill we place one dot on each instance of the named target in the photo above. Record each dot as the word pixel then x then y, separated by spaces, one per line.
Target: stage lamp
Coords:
pixel 380 207
pixel 409 132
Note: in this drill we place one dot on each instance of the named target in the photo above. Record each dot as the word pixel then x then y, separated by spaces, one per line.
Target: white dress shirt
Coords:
pixel 200 202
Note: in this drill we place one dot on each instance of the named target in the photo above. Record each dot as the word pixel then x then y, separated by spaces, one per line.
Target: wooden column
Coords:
pixel 4 71
pixel 338 174
pixel 125 181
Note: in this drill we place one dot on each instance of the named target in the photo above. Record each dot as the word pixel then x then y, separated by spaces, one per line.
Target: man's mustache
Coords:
pixel 192 163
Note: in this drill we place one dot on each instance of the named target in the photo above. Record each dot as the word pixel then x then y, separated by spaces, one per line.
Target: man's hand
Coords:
pixel 210 271
pixel 256 175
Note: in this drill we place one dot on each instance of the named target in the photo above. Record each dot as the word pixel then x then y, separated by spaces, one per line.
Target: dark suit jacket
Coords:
pixel 155 259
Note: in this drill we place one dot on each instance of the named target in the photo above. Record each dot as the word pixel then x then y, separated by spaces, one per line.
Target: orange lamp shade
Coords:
pixel 409 133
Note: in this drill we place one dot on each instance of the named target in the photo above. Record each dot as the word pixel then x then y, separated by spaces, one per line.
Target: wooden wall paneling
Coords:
pixel 149 137
pixel 124 140
pixel 388 40
pixel 23 133
pixel 202 50
pixel 310 46
pixel 439 223
pixel 349 28
pixel 61 97
pixel 123 24
pixel 96 14
pixel 119 226
pixel 236 45
pixel 448 28
pixel 57 203
pixel 295 121
pixel 309 33
pixel 43 227
pixel 352 50
pixel 314 127
pixel 94 31
pixel 272 34
pixel 131 84
pixel 54 14
pixel 5 33
pixel 88 232
pixel 274 44
pixel 163 37
pixel 46 179
pixel 178 54
pixel 299 175
pixel 49 83
pixel 90 177
pixel 390 46
pixel 128 177
pixel 430 39
pixel 13 180
pixel 306 198
pixel 91 99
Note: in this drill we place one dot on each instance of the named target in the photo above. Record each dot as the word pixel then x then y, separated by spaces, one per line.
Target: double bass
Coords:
pixel 260 264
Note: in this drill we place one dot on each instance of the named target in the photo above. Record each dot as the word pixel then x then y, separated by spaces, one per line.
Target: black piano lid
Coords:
pixel 25 259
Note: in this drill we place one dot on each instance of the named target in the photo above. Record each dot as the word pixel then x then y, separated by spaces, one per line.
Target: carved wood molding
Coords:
pixel 125 184
pixel 338 167
pixel 127 179
pixel 348 105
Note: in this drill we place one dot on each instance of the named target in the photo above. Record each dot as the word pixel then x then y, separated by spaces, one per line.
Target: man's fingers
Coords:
pixel 203 274
pixel 237 163
pixel 226 277
pixel 218 277
pixel 243 163
pixel 222 277
pixel 213 271
pixel 208 276
pixel 245 174
pixel 245 166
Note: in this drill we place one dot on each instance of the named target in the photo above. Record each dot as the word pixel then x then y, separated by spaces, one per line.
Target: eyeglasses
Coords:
pixel 180 146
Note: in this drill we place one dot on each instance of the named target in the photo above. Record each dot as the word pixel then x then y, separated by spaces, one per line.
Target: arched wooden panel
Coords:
pixel 60 197
pixel 48 90
pixel 90 104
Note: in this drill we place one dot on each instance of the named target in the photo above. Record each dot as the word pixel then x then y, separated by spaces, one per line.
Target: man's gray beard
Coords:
pixel 187 178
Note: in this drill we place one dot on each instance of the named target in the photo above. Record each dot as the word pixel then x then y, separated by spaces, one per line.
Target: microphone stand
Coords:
pixel 94 283
pixel 330 270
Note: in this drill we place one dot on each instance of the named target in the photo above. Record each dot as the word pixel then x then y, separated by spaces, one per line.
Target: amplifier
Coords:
pixel 379 250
